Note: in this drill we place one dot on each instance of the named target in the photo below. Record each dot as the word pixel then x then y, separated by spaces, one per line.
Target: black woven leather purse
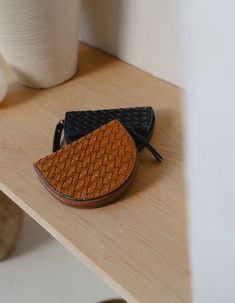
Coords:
pixel 139 121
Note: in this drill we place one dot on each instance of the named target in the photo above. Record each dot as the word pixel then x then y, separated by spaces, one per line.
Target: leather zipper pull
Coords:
pixel 147 144
pixel 57 136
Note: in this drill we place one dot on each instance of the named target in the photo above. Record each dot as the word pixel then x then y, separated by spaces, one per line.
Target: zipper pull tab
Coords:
pixel 147 144
pixel 57 136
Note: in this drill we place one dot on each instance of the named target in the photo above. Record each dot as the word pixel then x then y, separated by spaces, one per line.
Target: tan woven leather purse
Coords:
pixel 92 171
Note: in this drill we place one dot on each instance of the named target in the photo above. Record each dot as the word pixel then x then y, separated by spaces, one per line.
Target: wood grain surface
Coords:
pixel 137 245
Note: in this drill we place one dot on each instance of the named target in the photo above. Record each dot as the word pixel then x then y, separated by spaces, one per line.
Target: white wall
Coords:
pixel 145 33
pixel 210 114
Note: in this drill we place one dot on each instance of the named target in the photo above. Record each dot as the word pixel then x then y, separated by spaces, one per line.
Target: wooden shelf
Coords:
pixel 138 245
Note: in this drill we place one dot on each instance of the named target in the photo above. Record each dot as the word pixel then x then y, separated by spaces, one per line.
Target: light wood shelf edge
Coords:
pixel 164 97
pixel 73 249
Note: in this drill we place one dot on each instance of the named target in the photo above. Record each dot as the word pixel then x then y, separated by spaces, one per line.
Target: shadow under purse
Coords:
pixel 139 121
pixel 92 171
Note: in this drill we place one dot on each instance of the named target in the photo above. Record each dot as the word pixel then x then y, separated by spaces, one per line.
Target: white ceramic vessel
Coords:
pixel 39 39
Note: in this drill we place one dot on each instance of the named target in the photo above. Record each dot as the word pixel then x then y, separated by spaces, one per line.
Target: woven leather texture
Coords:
pixel 92 167
pixel 79 123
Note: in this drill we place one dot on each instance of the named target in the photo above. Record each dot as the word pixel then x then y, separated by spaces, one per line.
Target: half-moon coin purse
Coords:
pixel 92 171
pixel 139 121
